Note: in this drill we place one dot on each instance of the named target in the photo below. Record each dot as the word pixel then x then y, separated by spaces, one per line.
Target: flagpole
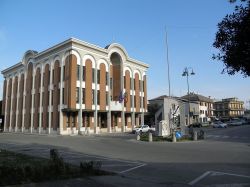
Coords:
pixel 168 64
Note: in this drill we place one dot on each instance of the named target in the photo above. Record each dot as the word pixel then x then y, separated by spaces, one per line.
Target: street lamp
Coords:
pixel 187 73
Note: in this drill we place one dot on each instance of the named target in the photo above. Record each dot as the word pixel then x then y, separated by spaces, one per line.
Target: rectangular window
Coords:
pixel 77 95
pixel 124 81
pixel 93 97
pixel 111 83
pixel 140 102
pixel 78 72
pixel 63 72
pixel 52 92
pixel 53 75
pixel 131 86
pixel 83 73
pixel 63 101
pixel 131 100
pixel 135 86
pixel 98 97
pixel 107 97
pixel 142 86
pixel 98 76
pixel 106 78
pixel 49 79
pixel 93 75
pixel 83 95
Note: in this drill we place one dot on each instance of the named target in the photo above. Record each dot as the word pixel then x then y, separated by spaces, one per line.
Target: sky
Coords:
pixel 138 25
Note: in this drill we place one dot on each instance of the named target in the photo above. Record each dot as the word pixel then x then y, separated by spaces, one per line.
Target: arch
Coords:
pixel 103 61
pixel 28 55
pixel 117 48
pixel 57 57
pixel 127 68
pixel 78 56
pixel 139 73
pixel 91 58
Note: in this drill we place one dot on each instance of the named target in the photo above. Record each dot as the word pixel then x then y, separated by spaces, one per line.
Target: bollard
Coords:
pixel 150 137
pixel 174 137
pixel 195 136
pixel 138 136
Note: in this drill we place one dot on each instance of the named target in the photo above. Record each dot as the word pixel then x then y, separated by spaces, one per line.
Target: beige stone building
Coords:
pixel 75 87
pixel 229 107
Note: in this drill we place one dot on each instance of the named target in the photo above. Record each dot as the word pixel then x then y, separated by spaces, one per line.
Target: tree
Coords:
pixel 233 40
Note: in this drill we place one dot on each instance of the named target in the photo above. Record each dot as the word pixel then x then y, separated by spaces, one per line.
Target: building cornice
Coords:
pixel 71 41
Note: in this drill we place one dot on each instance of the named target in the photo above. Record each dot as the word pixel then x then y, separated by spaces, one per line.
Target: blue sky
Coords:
pixel 138 25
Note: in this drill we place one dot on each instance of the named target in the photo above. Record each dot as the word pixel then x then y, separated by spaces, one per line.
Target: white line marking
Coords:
pixel 232 174
pixel 193 182
pixel 115 165
pixel 132 168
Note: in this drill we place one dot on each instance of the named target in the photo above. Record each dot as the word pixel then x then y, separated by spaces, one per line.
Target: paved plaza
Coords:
pixel 222 159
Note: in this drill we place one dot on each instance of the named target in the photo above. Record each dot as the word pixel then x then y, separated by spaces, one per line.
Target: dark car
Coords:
pixel 195 125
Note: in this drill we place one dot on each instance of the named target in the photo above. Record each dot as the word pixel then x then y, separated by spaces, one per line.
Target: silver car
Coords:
pixel 219 124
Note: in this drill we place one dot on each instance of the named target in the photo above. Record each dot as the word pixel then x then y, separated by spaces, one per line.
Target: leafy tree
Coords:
pixel 233 40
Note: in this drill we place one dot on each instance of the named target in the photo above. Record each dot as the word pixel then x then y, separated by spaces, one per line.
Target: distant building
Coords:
pixel 174 111
pixel 229 107
pixel 206 106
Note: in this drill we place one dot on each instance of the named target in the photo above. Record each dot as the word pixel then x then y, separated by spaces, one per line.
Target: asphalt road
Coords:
pixel 221 159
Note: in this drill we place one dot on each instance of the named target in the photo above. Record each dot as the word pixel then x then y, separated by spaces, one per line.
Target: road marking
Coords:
pixel 193 182
pixel 214 173
pixel 232 174
pixel 133 168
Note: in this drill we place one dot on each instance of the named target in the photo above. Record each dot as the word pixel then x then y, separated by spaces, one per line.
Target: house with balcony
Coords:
pixel 206 106
pixel 229 108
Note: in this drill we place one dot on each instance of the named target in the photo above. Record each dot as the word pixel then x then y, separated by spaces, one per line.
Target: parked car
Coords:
pixel 219 124
pixel 244 121
pixel 235 122
pixel 195 125
pixel 143 128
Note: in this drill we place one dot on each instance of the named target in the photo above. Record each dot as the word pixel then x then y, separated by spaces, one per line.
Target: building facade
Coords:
pixel 229 108
pixel 206 106
pixel 75 87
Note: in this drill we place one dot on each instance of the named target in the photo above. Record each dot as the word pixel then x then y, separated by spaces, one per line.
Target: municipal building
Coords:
pixel 75 87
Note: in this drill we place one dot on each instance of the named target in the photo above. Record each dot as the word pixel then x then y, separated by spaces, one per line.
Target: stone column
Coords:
pixel 17 97
pixel 50 95
pixel 109 109
pixel 6 100
pixel 142 101
pixel 133 103
pixel 80 97
pixel 24 99
pixel 11 103
pixel 41 101
pixel 32 100
pixel 95 102
pixel 61 98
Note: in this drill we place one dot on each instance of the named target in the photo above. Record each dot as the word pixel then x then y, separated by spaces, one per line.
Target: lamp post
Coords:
pixel 187 74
